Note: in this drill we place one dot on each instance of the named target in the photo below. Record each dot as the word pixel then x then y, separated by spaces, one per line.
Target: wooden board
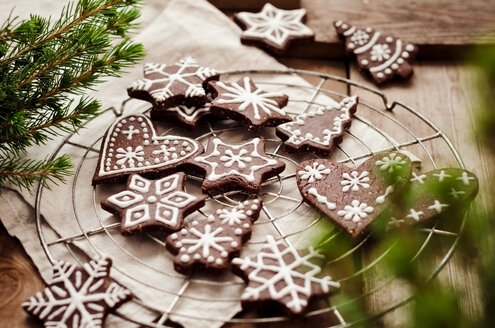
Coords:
pixel 253 5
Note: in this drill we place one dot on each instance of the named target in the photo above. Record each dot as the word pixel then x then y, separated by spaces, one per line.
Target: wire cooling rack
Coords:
pixel 401 127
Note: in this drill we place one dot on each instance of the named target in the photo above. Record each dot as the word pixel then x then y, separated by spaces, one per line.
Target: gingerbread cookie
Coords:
pixel 131 146
pixel 278 273
pixel 78 296
pixel 382 56
pixel 432 193
pixel 167 86
pixel 153 204
pixel 186 116
pixel 320 131
pixel 228 167
pixel 353 197
pixel 210 244
pixel 243 101
pixel 274 29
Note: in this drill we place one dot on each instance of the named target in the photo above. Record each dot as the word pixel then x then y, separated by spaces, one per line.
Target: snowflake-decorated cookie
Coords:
pixel 318 132
pixel 210 244
pixel 432 193
pixel 274 29
pixel 167 86
pixel 243 101
pixel 153 204
pixel 279 273
pixel 132 146
pixel 353 197
pixel 383 56
pixel 78 296
pixel 241 166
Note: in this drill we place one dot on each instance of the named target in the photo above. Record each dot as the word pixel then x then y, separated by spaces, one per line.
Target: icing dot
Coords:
pixel 140 119
pixel 234 244
pixel 176 142
pixel 119 125
pixel 137 215
pixel 115 167
pixel 183 231
pixel 185 258
pixel 405 54
pixel 388 71
pixel 182 153
pixel 380 75
pixel 364 62
pixel 246 225
pixel 351 45
pixel 219 211
pixel 145 129
pixel 211 218
pixel 218 261
pixel 188 148
pixel 146 163
pixel 338 23
pixel 166 142
pixel 246 202
pixel 345 26
pixel 368 29
pixel 224 254
pixel 112 139
pixel 146 142
pixel 111 145
pixel 139 164
pixel 256 201
pixel 254 207
pixel 122 166
pixel 146 136
pixel 238 231
pixel 210 259
pixel 124 121
pixel 395 66
pixel 178 244
pixel 182 249
pixel 125 198
pixel 400 61
pixel 173 236
pixel 155 142
pixel 157 160
pixel 195 223
pixel 132 118
pixel 197 256
pixel 389 39
pixel 151 199
pixel 249 212
pixel 184 144
pixel 110 155
pixel 410 47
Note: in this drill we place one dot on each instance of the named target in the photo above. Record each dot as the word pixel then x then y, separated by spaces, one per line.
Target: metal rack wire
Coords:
pixel 393 112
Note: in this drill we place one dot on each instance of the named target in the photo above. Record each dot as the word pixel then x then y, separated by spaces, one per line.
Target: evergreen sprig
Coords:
pixel 45 69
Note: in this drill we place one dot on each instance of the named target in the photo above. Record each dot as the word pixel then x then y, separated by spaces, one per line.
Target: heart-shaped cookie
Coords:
pixel 353 197
pixel 434 192
pixel 132 146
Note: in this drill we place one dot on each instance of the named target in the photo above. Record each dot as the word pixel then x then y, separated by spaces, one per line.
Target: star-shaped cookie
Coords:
pixel 280 273
pixel 186 116
pixel 153 204
pixel 78 296
pixel 242 166
pixel 318 132
pixel 273 29
pixel 167 86
pixel 243 101
pixel 211 243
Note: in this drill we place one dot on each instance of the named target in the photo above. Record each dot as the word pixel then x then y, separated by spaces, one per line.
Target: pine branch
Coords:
pixel 45 67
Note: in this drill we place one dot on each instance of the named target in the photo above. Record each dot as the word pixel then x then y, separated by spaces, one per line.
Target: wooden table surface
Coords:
pixel 441 90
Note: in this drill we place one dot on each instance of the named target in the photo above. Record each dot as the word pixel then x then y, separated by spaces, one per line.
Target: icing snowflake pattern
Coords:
pixel 274 26
pixel 145 151
pixel 313 172
pixel 77 296
pixel 153 203
pixel 380 52
pixel 356 211
pixel 279 273
pixel 162 81
pixel 355 180
pixel 320 131
pixel 391 162
pixel 360 37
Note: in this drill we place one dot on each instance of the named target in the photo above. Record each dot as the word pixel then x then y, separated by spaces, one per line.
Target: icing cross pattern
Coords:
pixel 279 273
pixel 77 296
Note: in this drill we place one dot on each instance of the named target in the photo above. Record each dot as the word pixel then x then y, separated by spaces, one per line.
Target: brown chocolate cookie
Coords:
pixel 382 56
pixel 228 167
pixel 274 29
pixel 78 296
pixel 318 132
pixel 166 86
pixel 353 197
pixel 131 145
pixel 153 204
pixel 281 274
pixel 243 101
pixel 432 193
pixel 210 244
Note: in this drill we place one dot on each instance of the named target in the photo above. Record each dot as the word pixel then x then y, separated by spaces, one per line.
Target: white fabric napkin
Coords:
pixel 170 31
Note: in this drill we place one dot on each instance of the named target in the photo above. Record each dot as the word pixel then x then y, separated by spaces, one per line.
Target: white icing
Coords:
pixel 234 216
pixel 367 46
pixel 292 283
pixel 329 128
pixel 391 60
pixel 418 178
pixel 190 114
pixel 275 25
pixel 71 301
pixel 455 193
pixel 355 180
pixel 253 148
pixel 437 206
pixel 205 240
pixel 321 199
pixel 415 215
pixel 355 211
pixel 380 52
pixel 381 199
pixel 360 37
pixel 442 175
pixel 390 162
pixel 255 100
pixel 316 171
pixel 129 155
pixel 465 178
pixel 179 74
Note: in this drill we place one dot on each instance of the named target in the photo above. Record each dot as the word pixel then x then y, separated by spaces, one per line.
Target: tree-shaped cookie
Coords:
pixel 243 101
pixel 78 296
pixel 353 197
pixel 281 274
pixel 235 166
pixel 211 243
pixel 131 145
pixel 318 132
pixel 432 193
pixel 273 29
pixel 382 56
pixel 182 83
pixel 153 204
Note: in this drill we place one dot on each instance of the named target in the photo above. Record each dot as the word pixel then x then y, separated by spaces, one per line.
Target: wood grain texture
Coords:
pixel 253 5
